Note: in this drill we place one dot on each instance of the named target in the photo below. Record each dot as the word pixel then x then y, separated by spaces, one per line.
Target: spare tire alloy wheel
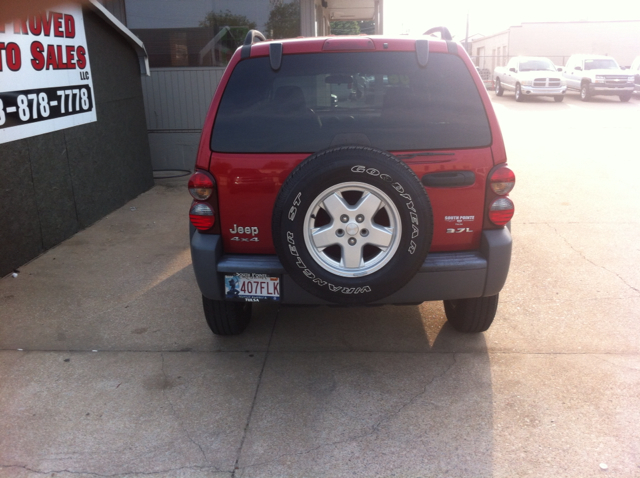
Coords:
pixel 352 224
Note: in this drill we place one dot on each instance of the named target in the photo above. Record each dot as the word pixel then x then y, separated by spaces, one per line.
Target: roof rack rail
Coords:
pixel 253 36
pixel 444 32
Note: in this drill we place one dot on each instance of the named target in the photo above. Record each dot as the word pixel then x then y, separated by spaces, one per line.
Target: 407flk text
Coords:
pixel 30 106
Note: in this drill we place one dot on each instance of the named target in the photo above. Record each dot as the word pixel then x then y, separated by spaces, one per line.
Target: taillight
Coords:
pixel 501 211
pixel 502 181
pixel 200 186
pixel 500 208
pixel 202 216
pixel 203 212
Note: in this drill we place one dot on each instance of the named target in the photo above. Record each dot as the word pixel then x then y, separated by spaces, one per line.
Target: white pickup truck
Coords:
pixel 530 76
pixel 597 75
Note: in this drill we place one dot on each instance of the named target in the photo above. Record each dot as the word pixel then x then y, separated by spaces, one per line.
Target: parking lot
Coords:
pixel 107 367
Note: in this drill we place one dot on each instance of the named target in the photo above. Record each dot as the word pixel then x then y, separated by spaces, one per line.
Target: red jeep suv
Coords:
pixel 351 170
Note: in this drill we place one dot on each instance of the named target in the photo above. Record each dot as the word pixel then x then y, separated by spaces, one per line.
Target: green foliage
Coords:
pixel 345 28
pixel 226 19
pixel 284 20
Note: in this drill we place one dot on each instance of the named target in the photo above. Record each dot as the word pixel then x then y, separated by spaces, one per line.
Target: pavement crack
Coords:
pixel 131 474
pixel 374 428
pixel 175 414
pixel 413 399
pixel 255 398
pixel 581 254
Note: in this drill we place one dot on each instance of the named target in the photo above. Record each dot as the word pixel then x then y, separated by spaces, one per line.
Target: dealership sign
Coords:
pixel 45 77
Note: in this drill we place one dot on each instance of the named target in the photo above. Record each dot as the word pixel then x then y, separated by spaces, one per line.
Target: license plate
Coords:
pixel 252 287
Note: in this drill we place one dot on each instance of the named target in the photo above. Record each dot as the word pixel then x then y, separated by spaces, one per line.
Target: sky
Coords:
pixel 494 16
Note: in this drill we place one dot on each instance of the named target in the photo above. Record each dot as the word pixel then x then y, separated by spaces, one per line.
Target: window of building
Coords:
pixel 193 33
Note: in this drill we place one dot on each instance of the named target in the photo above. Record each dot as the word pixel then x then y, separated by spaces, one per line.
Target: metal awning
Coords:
pixel 349 10
pixel 316 15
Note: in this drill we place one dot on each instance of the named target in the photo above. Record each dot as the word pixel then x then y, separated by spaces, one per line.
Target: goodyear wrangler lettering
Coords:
pixel 400 189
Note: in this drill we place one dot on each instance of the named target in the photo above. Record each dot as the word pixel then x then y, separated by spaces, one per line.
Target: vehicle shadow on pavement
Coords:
pixel 371 391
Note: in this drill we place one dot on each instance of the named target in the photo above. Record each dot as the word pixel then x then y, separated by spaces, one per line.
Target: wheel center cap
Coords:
pixel 352 229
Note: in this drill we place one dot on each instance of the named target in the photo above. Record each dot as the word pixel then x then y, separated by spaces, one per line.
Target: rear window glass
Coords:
pixel 384 99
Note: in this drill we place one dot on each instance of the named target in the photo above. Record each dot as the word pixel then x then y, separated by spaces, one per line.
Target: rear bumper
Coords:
pixel 443 275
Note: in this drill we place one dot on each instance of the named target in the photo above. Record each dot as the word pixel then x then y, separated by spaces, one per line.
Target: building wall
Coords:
pixel 176 103
pixel 55 184
pixel 559 40
pixel 620 40
pixel 489 52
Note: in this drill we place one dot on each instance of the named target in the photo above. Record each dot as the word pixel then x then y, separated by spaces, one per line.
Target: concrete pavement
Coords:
pixel 107 367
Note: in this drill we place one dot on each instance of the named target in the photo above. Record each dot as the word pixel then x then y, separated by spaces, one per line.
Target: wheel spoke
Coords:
pixel 368 205
pixel 335 205
pixel 352 256
pixel 380 236
pixel 324 237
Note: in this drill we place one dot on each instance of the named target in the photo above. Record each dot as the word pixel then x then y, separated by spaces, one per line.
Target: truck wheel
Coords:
pixel 352 224
pixel 585 95
pixel 471 315
pixel 499 88
pixel 558 99
pixel 625 97
pixel 226 317
pixel 519 95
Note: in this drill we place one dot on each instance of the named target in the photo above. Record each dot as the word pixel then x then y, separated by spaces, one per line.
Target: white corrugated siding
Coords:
pixel 177 99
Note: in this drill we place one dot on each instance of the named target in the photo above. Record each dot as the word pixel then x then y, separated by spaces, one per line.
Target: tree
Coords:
pixel 234 29
pixel 226 19
pixel 345 28
pixel 284 20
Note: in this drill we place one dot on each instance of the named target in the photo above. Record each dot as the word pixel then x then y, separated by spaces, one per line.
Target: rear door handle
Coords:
pixel 449 179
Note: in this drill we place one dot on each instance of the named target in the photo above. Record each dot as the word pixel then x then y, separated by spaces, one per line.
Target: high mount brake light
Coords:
pixel 201 216
pixel 502 181
pixel 349 43
pixel 200 186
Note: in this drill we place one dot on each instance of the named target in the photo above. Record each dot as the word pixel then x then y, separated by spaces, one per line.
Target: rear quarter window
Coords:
pixel 384 99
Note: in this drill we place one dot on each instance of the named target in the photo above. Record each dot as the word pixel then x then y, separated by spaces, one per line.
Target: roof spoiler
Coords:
pixel 275 49
pixel 253 36
pixel 444 32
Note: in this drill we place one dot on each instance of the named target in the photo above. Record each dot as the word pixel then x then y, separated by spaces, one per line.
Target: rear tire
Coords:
pixel 226 317
pixel 499 89
pixel 585 94
pixel 471 315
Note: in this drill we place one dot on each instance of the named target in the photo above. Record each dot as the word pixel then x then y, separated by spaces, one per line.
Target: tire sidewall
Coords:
pixel 352 164
pixel 518 92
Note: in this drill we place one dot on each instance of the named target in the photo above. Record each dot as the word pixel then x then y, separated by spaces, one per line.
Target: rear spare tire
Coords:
pixel 352 224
